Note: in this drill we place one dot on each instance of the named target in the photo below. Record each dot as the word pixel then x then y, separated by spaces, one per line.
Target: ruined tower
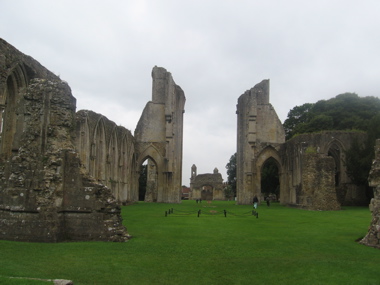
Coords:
pixel 259 136
pixel 159 137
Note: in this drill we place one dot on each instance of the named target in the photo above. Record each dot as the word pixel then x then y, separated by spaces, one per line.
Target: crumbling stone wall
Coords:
pixel 208 186
pixel 372 238
pixel 317 189
pixel 331 144
pixel 159 135
pixel 45 193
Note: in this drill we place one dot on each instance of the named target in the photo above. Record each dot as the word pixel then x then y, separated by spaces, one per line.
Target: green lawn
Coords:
pixel 282 246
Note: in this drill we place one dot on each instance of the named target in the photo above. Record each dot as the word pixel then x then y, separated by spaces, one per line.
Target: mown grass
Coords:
pixel 282 246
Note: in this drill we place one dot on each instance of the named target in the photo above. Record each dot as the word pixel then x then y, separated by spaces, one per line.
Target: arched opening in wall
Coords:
pixel 334 152
pixel 207 193
pixel 12 120
pixel 98 153
pixel 8 117
pixel 148 183
pixel 270 178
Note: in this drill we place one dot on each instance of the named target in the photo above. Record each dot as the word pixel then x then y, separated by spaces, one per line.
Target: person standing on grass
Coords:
pixel 255 201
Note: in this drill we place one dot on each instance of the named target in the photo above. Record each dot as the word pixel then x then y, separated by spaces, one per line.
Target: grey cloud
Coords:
pixel 215 51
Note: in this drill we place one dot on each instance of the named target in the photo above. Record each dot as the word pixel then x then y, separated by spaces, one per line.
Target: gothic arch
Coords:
pixel 112 165
pixel 124 168
pixel 207 191
pixel 12 119
pixel 268 153
pixel 98 152
pixel 150 152
pixel 133 192
pixel 83 142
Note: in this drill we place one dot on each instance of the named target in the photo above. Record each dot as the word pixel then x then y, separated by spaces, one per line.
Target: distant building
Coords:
pixel 185 193
pixel 208 186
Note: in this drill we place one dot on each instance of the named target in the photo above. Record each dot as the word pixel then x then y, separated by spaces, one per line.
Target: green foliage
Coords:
pixel 374 130
pixel 358 162
pixel 297 116
pixel 283 246
pixel 310 149
pixel 231 173
pixel 229 192
pixel 346 111
pixel 359 157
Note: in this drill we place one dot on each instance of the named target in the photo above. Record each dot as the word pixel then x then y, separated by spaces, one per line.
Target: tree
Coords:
pixel 231 173
pixel 346 111
pixel 228 192
pixel 296 116
pixel 360 156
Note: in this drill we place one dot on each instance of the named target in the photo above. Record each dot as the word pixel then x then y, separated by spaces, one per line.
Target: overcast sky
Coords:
pixel 215 50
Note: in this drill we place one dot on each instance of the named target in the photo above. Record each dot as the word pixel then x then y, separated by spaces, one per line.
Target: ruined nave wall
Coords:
pixel 45 193
pixel 107 151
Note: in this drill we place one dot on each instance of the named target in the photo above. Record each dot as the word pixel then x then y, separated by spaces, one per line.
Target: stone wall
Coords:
pixel 45 194
pixel 317 191
pixel 331 144
pixel 372 238
pixel 107 151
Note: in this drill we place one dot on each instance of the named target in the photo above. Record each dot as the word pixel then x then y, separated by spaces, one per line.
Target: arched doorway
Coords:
pixel 207 193
pixel 270 178
pixel 148 184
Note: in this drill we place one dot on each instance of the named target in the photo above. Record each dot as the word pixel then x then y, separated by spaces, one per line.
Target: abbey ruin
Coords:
pixel 65 173
pixel 311 166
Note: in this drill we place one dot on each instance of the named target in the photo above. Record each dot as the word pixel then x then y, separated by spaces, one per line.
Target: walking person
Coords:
pixel 255 202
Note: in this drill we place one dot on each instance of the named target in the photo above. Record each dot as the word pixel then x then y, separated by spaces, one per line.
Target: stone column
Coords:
pixel 373 236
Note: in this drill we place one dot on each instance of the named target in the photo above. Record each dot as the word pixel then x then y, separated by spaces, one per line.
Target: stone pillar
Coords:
pixel 373 236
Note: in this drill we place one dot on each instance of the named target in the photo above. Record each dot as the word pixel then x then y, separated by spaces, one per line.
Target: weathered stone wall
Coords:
pixel 107 151
pixel 45 193
pixel 328 143
pixel 372 238
pixel 159 135
pixel 207 186
pixel 317 191
pixel 259 129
